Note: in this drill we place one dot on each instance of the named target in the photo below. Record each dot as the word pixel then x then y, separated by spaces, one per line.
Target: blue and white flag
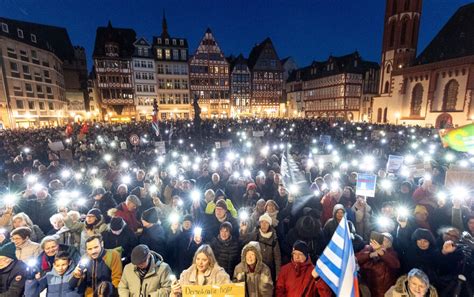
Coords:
pixel 337 264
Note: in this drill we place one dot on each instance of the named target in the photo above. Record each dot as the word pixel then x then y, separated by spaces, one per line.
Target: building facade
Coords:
pixel 171 55
pixel 144 78
pixel 240 86
pixel 435 88
pixel 209 78
pixel 339 88
pixel 266 80
pixel 35 62
pixel 113 50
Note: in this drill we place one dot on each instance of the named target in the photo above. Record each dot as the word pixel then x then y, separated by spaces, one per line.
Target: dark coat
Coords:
pixel 227 253
pixel 105 203
pixel 46 263
pixel 154 238
pixel 12 279
pixel 40 211
pixel 127 240
pixel 308 229
pixel 212 226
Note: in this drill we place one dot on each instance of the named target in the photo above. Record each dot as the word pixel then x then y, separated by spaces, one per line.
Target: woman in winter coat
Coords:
pixel 266 236
pixel 226 248
pixel 362 213
pixel 416 283
pixel 93 225
pixel 379 265
pixel 203 271
pixel 25 248
pixel 251 196
pixel 251 270
pixel 23 220
pixel 298 277
pixel 51 246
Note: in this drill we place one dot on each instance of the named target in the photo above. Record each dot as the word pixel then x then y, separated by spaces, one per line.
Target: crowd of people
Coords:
pixel 87 211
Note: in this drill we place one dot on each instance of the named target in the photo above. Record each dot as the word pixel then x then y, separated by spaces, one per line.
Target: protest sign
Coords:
pixel 258 134
pixel 160 147
pixel 394 163
pixel 325 139
pixel 366 184
pixel 228 290
pixel 56 146
pixel 459 178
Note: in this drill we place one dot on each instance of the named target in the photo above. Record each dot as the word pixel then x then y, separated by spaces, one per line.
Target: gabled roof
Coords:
pixel 141 42
pixel 351 63
pixel 264 51
pixel 234 61
pixel 124 37
pixel 455 40
pixel 50 38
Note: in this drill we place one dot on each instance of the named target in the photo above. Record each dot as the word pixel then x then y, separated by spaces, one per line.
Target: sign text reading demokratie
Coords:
pixel 230 290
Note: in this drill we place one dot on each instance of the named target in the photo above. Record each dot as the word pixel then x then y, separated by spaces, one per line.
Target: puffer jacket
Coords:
pixel 259 282
pixel 379 273
pixel 295 280
pixel 227 253
pixel 214 276
pixel 156 283
pixel 57 285
pixel 12 279
pixel 400 289
pixel 123 242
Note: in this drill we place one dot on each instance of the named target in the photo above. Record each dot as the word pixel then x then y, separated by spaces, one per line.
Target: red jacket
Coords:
pixel 328 202
pixel 379 273
pixel 295 280
pixel 130 217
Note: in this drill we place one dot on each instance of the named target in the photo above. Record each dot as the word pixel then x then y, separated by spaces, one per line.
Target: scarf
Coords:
pixel 142 272
pixel 266 235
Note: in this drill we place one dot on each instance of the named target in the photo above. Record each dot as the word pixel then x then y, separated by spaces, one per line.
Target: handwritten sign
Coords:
pixel 229 290
pixel 394 163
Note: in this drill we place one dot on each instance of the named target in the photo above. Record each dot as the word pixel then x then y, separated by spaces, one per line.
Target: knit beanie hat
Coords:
pixel 251 186
pixel 221 204
pixel 301 246
pixel 266 217
pixel 421 209
pixel 227 225
pixel 188 217
pixel 8 250
pixel 150 215
pixel 220 193
pixel 96 213
pixel 116 224
pixel 426 234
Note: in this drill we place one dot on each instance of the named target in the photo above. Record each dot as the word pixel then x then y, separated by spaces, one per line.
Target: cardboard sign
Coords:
pixel 366 184
pixel 56 146
pixel 160 147
pixel 123 145
pixel 394 163
pixel 229 290
pixel 65 155
pixel 459 178
pixel 218 144
pixel 258 133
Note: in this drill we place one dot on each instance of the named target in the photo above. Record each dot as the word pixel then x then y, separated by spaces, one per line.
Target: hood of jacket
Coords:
pixel 402 284
pixel 254 247
pixel 308 227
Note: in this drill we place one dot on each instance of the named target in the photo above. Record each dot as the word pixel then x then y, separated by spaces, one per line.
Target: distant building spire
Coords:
pixel 164 25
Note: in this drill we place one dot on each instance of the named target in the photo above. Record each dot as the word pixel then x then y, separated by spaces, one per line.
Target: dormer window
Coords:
pixel 33 38
pixel 20 33
pixel 181 42
pixel 174 41
pixel 5 27
pixel 159 40
pixel 111 50
pixel 167 41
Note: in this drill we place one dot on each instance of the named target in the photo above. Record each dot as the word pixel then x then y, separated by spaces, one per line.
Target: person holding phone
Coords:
pixel 379 263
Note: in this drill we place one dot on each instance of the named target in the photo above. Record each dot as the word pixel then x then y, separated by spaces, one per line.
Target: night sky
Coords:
pixel 305 29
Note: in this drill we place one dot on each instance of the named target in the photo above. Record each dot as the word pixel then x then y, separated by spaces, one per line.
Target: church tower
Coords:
pixel 400 39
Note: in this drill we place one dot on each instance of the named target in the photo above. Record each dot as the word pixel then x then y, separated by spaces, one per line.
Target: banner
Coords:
pixel 460 139
pixel 366 184
pixel 459 178
pixel 394 163
pixel 230 290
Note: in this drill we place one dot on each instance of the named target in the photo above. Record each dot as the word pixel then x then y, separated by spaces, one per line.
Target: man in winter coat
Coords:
pixel 39 206
pixel 104 201
pixel 226 248
pixel 102 265
pixel 147 275
pixel 55 281
pixel 153 234
pixel 251 270
pixel 120 238
pixel 379 265
pixel 214 221
pixel 296 279
pixel 128 212
pixel 12 272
